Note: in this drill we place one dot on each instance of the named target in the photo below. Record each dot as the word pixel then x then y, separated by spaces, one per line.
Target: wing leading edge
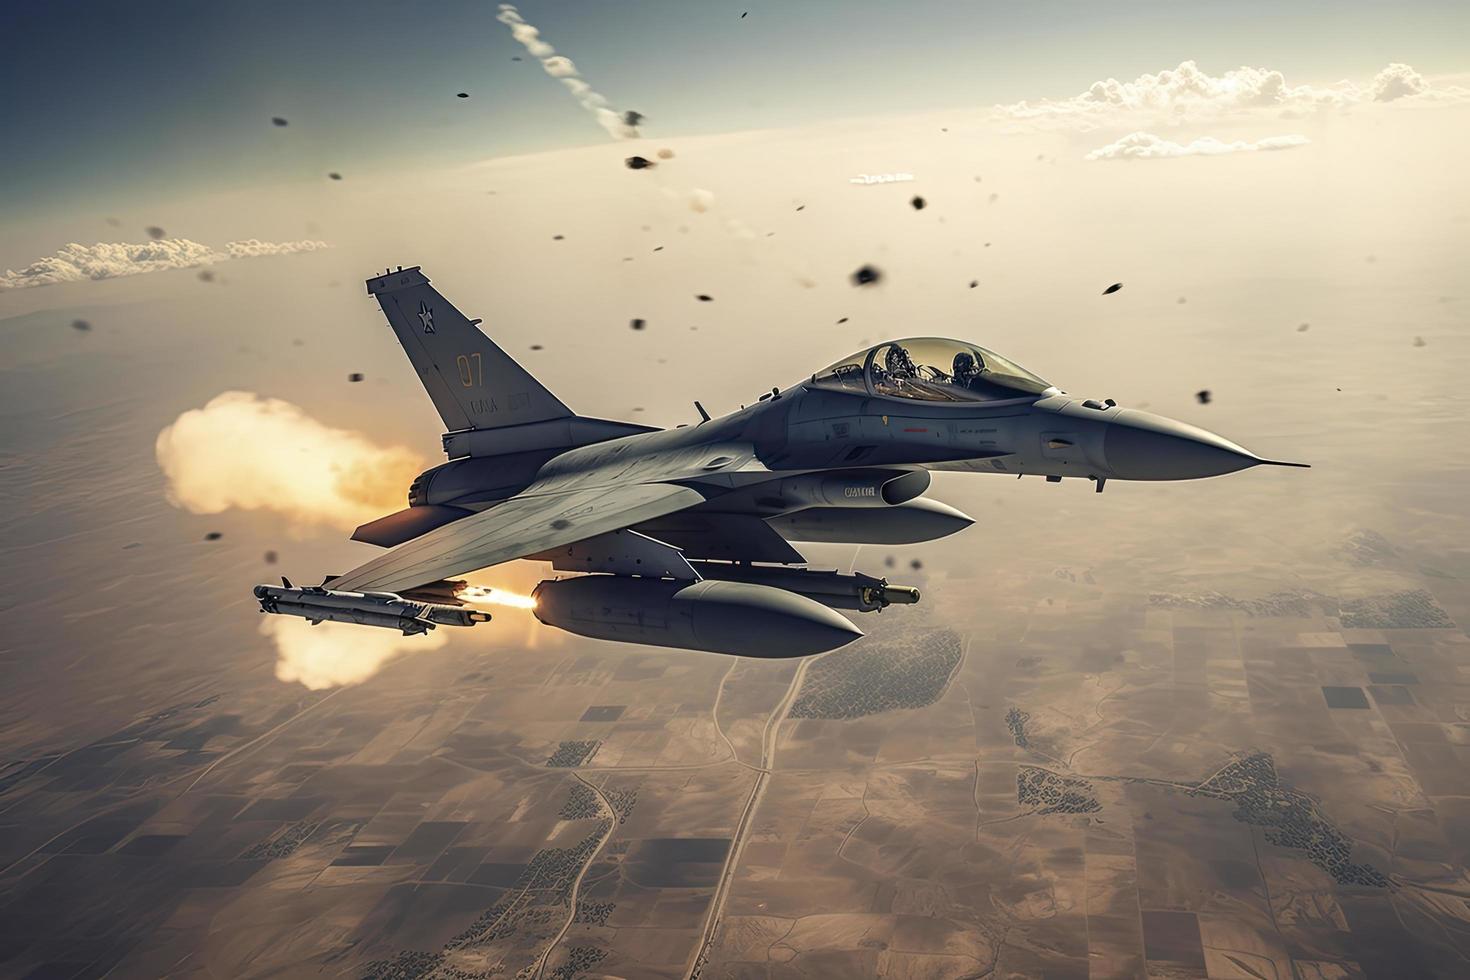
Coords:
pixel 517 528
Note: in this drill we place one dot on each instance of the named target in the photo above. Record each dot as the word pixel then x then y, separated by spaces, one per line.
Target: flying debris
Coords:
pixel 637 324
pixel 639 163
pixel 1304 328
pixel 842 320
pixel 974 283
pixel 206 275
pixel 537 347
pixel 705 298
pixel 918 203
pixel 461 95
pixel 801 207
pixel 865 276
pixel 1203 397
pixel 334 175
pixel 916 564
pixel 383 609
pixel 354 377
pixel 155 232
pixel 213 536
pixel 1113 288
pixel 82 325
pixel 557 238
pixel 270 557
pixel 686 537
pixel 632 117
pixel 278 121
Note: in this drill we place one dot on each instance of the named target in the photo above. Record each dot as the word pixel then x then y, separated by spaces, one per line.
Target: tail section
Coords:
pixel 473 383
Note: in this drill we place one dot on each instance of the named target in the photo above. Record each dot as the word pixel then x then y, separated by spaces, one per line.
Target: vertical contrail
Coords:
pixel 621 125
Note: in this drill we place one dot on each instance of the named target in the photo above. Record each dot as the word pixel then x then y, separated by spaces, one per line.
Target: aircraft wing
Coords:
pixel 521 526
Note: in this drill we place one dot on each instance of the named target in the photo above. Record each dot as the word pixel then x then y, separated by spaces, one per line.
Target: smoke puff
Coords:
pixel 252 453
pixel 559 66
pixel 701 200
pixel 334 654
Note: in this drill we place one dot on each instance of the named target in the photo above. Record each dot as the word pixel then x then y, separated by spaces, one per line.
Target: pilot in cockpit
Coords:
pixel 898 362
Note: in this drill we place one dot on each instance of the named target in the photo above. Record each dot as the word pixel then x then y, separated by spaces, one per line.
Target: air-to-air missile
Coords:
pixel 385 609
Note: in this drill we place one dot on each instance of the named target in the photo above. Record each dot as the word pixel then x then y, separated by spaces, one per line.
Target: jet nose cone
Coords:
pixel 1143 446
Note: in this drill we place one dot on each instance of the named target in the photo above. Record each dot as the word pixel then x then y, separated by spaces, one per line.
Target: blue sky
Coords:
pixel 111 99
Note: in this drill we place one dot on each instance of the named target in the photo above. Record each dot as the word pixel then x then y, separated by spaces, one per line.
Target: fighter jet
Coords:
pixel 684 537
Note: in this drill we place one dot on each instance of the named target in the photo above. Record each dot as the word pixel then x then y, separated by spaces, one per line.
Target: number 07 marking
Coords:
pixel 470 374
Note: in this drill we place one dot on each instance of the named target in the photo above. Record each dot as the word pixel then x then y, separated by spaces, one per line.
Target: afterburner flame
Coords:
pixel 495 597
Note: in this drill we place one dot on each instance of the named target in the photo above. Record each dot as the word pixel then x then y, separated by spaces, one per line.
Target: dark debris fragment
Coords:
pixel 705 298
pixel 1203 397
pixel 82 325
pixel 637 324
pixel 334 175
pixel 632 117
pixel 278 121
pixel 355 377
pixel 866 276
pixel 918 203
pixel 1113 288
pixel 639 163
pixel 155 232
pixel 271 557
pixel 214 535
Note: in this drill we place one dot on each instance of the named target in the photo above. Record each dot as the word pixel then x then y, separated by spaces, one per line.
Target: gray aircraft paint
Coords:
pixel 840 458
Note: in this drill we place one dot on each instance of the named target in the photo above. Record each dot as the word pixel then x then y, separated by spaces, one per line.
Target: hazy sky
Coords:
pixel 144 101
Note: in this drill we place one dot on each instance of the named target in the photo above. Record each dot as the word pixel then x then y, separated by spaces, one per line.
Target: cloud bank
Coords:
pixel 111 260
pixel 1147 146
pixel 251 453
pixel 1187 93
pixel 620 125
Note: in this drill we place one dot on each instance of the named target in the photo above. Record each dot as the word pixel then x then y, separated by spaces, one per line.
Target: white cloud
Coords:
pixel 109 260
pixel 1187 93
pixel 1396 82
pixel 251 453
pixel 251 248
pixel 1147 146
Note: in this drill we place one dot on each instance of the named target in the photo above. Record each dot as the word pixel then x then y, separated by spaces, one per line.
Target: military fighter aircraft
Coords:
pixel 682 537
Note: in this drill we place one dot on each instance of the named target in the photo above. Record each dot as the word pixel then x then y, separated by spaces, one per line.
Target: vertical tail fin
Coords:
pixel 473 383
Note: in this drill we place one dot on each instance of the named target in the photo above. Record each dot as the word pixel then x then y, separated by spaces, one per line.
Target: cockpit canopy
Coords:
pixel 931 369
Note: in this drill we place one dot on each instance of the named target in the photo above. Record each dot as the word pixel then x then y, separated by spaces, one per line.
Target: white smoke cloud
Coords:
pixel 1187 93
pixel 558 66
pixel 1147 146
pixel 110 260
pixel 251 453
pixel 334 654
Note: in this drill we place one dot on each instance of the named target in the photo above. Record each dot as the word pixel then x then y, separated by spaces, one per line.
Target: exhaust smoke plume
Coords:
pixel 333 654
pixel 621 125
pixel 252 453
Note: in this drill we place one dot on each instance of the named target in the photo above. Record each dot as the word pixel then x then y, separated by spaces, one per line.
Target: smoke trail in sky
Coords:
pixel 620 125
